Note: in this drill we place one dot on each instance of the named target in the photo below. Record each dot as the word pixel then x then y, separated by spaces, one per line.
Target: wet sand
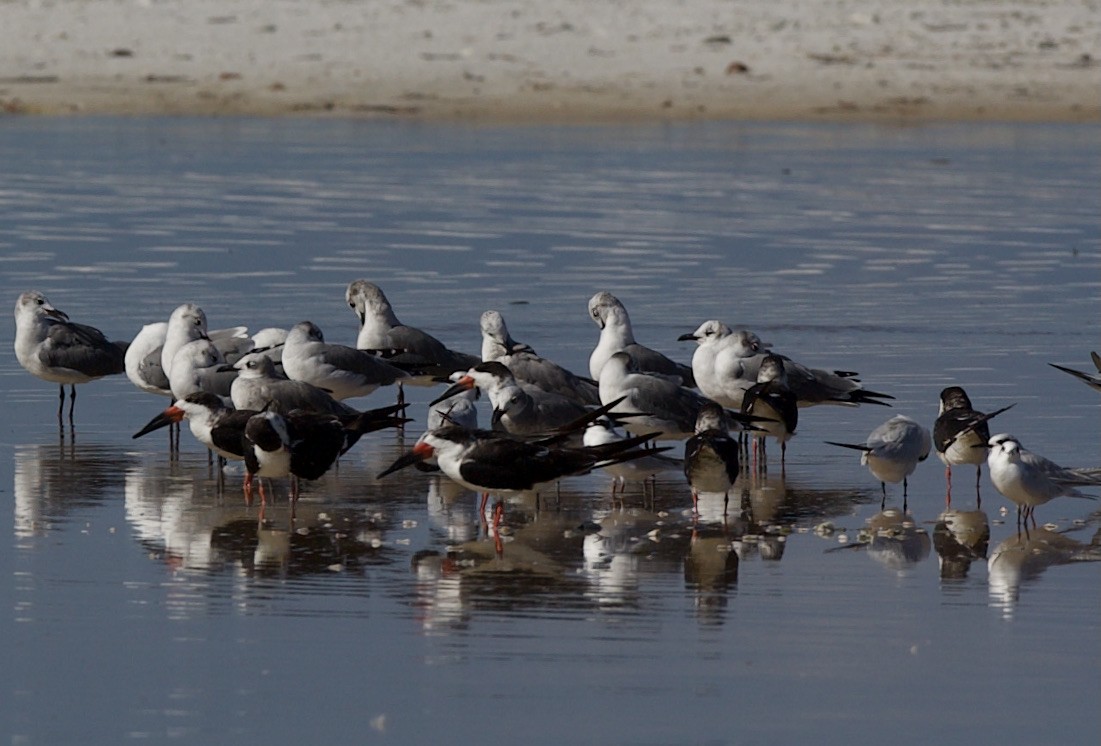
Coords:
pixel 556 60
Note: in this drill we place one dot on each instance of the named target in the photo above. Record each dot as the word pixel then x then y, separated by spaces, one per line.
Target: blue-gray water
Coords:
pixel 142 605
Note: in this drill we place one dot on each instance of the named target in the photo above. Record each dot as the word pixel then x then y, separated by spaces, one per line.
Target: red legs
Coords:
pixel 695 504
pixel 948 479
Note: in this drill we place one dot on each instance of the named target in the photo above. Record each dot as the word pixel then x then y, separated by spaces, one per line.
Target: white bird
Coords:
pixel 1029 479
pixel 960 435
pixel 343 371
pixel 1093 380
pixel 405 346
pixel 659 403
pixel 892 452
pixel 616 335
pixel 258 387
pixel 143 360
pixel 729 362
pixel 55 349
pixel 529 367
pixel 200 366
pixel 188 323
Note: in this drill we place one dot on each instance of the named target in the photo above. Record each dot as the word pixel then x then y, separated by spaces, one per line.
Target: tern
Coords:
pixel 1093 380
pixel 402 345
pixel 616 335
pixel 960 435
pixel 711 456
pixel 1029 479
pixel 344 372
pixel 53 348
pixel 528 367
pixel 892 452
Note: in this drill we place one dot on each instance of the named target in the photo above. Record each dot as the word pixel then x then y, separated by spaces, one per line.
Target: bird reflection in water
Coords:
pixel 711 571
pixel 960 537
pixel 186 521
pixel 51 482
pixel 1022 558
pixel 892 538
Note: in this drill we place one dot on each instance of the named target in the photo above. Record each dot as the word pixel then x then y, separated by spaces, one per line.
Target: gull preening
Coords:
pixel 381 332
pixel 528 367
pixel 50 346
pixel 616 335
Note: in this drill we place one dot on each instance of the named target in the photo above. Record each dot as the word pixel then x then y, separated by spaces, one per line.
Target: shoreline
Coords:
pixel 556 61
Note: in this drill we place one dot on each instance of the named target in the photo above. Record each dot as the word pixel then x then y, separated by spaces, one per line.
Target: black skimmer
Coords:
pixel 1093 380
pixel 490 461
pixel 53 348
pixel 711 455
pixel 960 435
pixel 772 399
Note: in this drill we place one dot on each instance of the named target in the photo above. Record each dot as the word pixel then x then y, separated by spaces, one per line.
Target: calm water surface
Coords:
pixel 145 605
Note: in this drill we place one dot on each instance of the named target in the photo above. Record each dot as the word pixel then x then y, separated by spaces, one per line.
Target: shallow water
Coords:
pixel 147 605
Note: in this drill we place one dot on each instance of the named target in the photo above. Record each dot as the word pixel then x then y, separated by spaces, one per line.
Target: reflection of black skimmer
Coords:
pixel 55 349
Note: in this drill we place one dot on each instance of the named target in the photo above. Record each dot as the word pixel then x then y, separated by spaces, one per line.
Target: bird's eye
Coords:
pixel 39 301
pixel 351 304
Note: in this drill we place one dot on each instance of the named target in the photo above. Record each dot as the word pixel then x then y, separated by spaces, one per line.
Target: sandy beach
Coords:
pixel 566 60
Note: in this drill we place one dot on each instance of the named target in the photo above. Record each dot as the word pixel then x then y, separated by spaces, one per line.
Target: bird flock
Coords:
pixel 276 401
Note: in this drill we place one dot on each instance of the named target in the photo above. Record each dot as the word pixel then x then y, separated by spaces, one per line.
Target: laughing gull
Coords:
pixel 188 323
pixel 259 387
pixel 661 404
pixel 401 345
pixel 711 455
pixel 489 461
pixel 892 452
pixel 55 349
pixel 772 399
pixel 727 361
pixel 143 360
pixel 960 435
pixel 200 366
pixel 517 409
pixel 616 335
pixel 1029 479
pixel 529 367
pixel 342 371
pixel 1093 380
